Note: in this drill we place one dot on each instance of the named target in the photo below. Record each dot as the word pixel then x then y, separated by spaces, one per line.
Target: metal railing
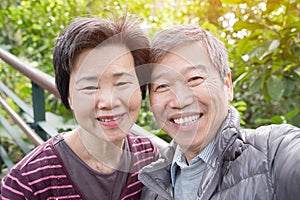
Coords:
pixel 34 137
pixel 40 130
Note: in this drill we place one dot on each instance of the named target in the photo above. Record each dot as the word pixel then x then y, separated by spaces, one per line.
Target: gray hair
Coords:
pixel 176 36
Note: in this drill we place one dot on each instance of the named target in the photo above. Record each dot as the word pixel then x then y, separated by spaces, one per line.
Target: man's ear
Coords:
pixel 229 88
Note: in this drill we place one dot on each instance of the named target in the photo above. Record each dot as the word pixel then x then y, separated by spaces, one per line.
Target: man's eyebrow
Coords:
pixel 196 67
pixel 189 68
pixel 161 74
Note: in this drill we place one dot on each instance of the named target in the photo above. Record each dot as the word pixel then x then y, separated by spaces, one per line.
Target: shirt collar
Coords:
pixel 180 161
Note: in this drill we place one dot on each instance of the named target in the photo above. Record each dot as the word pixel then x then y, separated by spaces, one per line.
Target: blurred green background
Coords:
pixel 262 37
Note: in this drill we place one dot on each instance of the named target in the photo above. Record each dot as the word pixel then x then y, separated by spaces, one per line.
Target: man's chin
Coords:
pixel 184 143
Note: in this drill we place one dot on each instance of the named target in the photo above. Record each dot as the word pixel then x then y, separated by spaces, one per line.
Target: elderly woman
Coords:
pixel 95 62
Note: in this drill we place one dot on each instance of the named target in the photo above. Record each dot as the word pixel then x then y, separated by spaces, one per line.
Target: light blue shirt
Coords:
pixel 189 175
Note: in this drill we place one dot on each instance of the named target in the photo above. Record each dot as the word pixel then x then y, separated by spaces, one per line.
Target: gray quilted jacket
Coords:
pixel 261 163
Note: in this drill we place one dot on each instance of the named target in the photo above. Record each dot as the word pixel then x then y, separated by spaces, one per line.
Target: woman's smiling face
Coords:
pixel 104 92
pixel 189 99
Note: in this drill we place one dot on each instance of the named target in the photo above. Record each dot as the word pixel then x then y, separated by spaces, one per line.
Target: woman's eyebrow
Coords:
pixel 120 74
pixel 86 78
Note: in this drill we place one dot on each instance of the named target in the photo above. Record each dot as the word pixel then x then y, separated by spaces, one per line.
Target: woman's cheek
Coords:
pixel 131 96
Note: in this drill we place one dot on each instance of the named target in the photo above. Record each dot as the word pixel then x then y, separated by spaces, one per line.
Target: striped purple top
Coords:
pixel 42 175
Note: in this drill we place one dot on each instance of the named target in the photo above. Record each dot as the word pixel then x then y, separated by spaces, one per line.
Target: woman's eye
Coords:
pixel 195 81
pixel 91 88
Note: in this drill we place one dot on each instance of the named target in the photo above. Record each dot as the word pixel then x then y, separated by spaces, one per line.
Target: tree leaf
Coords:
pixel 291 114
pixel 289 86
pixel 239 25
pixel 266 49
pixel 277 119
pixel 275 87
pixel 233 1
pixel 256 85
pixel 273 45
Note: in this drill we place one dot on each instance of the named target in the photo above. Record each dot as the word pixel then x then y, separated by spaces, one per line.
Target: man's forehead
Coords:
pixel 192 53
pixel 174 73
pixel 188 50
pixel 186 58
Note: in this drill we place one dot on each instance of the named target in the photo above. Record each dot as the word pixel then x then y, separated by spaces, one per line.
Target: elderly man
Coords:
pixel 211 156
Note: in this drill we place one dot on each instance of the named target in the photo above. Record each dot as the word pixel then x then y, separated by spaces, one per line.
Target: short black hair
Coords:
pixel 87 33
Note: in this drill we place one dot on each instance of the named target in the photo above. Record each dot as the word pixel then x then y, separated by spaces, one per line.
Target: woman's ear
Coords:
pixel 229 88
pixel 70 103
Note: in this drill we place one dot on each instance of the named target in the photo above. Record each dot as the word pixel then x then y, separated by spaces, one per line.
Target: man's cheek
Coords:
pixel 158 111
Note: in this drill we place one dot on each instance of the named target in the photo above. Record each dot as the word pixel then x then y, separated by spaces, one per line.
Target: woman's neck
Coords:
pixel 99 154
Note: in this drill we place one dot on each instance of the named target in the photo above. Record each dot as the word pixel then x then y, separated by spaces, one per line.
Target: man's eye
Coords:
pixel 122 83
pixel 161 88
pixel 195 81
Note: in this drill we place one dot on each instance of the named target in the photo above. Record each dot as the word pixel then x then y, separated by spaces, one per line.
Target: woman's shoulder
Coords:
pixel 140 142
pixel 42 155
pixel 143 147
pixel 143 150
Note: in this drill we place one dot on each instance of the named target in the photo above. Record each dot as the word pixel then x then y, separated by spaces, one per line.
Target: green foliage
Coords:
pixel 262 37
pixel 264 51
pixel 14 152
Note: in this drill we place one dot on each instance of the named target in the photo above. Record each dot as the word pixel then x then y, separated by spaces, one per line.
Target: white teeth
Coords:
pixel 109 119
pixel 186 120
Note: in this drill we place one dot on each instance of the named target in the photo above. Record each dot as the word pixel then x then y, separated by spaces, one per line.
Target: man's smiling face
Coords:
pixel 189 98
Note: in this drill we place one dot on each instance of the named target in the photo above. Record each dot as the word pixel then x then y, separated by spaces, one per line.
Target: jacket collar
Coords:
pixel 227 131
pixel 226 136
pixel 157 174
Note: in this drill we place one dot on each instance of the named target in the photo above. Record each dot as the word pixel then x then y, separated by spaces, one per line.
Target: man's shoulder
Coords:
pixel 269 132
pixel 163 164
pixel 269 139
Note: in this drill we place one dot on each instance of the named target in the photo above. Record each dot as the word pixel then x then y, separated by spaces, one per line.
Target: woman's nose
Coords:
pixel 105 99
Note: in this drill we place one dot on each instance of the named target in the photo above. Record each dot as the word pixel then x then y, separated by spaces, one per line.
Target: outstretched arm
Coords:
pixel 287 166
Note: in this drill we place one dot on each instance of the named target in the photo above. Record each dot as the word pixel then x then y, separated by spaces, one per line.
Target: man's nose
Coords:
pixel 182 96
